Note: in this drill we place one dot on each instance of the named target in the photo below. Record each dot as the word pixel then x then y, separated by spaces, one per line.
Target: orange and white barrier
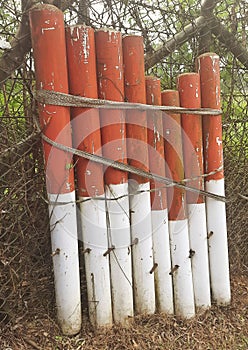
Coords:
pixel 190 97
pixel 87 137
pixel 160 228
pixel 145 247
pixel 109 60
pixel 178 223
pixel 209 70
pixel 137 151
pixel 47 31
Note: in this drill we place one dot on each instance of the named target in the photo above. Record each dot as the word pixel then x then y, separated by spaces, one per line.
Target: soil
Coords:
pixel 218 328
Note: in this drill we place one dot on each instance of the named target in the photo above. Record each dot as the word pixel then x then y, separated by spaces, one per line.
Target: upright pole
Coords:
pixel 190 97
pixel 137 150
pixel 178 223
pixel 87 137
pixel 113 132
pixel 48 39
pixel 160 228
pixel 209 69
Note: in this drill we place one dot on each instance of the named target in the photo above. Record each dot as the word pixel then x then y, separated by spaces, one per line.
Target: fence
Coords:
pixel 116 268
pixel 23 257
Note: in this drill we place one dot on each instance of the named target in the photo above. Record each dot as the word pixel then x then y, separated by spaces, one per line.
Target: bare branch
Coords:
pixel 213 24
pixel 83 13
pixel 21 44
pixel 229 40
pixel 169 46
pixel 207 7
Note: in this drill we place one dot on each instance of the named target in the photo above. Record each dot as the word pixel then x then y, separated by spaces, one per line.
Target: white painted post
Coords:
pixel 80 42
pixel 160 228
pixel 95 238
pixel 109 61
pixel 63 226
pixel 137 151
pixel 190 97
pixel 47 32
pixel 178 222
pixel 209 69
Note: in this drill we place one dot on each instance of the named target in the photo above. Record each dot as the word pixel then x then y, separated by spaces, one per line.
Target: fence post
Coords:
pixel 137 150
pixel 80 42
pixel 178 223
pixel 48 39
pixel 190 97
pixel 160 228
pixel 113 131
pixel 209 69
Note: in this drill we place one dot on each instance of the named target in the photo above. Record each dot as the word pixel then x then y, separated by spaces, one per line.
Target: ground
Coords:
pixel 216 329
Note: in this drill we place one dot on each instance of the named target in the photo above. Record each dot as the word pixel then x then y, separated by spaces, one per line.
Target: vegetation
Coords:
pixel 173 39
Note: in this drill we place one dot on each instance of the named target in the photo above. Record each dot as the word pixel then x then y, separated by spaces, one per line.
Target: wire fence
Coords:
pixel 175 33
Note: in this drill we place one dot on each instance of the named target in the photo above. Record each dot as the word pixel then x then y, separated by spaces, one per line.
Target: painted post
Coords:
pixel 87 137
pixel 160 228
pixel 137 150
pixel 209 69
pixel 190 97
pixel 113 131
pixel 178 223
pixel 48 40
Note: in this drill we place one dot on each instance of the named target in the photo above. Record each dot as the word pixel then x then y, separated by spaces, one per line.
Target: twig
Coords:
pixel 32 343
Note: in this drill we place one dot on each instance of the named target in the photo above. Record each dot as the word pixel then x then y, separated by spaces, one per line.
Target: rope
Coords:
pixel 133 170
pixel 62 99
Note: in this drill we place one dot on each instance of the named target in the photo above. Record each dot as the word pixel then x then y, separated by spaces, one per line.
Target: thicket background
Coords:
pixel 175 32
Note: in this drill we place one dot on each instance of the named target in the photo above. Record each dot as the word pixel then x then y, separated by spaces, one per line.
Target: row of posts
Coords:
pixel 146 247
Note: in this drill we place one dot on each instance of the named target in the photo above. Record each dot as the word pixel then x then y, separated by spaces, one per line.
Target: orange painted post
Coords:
pixel 48 40
pixel 190 97
pixel 209 69
pixel 137 151
pixel 160 228
pixel 178 223
pixel 80 42
pixel 113 131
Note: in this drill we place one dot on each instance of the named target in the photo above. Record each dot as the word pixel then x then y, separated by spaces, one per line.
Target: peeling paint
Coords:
pixel 218 141
pixel 47 29
pixel 68 186
pixel 86 46
pixel 207 141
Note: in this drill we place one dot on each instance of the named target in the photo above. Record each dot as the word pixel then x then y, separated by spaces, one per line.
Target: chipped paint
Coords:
pixel 196 92
pixel 68 186
pixel 86 45
pixel 207 141
pixel 218 141
pixel 47 29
